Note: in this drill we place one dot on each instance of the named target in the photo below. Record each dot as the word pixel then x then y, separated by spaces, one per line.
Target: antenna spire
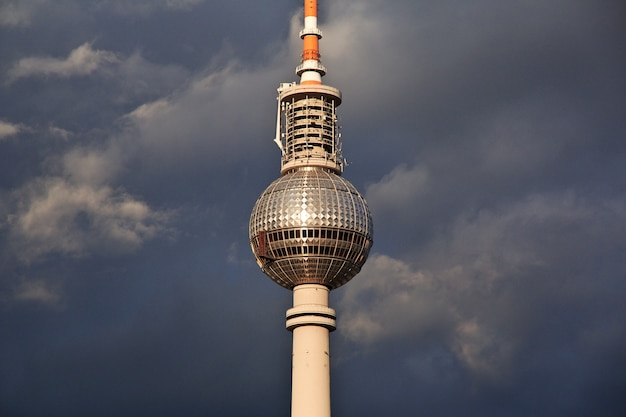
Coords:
pixel 310 69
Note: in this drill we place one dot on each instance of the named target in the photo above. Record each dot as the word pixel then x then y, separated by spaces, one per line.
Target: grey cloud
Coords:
pixel 485 286
pixel 138 77
pixel 520 148
pixel 203 122
pixel 145 7
pixel 399 189
pixel 60 132
pixel 17 13
pixel 54 216
pixel 460 62
pixel 79 212
pixel 38 291
pixel 8 129
pixel 95 165
pixel 83 60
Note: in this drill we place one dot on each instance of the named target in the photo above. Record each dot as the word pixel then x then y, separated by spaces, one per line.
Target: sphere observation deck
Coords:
pixel 311 226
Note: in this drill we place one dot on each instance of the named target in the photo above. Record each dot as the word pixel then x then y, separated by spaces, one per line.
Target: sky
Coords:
pixel 487 137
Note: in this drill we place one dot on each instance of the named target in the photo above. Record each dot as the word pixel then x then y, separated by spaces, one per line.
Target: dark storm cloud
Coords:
pixel 486 136
pixel 21 13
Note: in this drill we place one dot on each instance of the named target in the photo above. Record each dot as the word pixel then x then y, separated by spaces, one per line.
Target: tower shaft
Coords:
pixel 311 321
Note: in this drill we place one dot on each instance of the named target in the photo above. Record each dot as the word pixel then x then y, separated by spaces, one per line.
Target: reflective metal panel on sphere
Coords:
pixel 311 226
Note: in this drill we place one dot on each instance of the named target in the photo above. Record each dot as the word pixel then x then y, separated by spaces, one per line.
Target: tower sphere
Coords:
pixel 311 226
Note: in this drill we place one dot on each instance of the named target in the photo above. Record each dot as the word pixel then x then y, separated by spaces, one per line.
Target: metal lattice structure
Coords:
pixel 308 132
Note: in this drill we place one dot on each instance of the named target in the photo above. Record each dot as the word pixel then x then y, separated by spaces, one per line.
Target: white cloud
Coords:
pixel 8 129
pixel 56 216
pixel 83 60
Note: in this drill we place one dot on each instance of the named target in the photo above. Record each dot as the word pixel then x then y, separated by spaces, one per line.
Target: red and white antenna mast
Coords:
pixel 310 70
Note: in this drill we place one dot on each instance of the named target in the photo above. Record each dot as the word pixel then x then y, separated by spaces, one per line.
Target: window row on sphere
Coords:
pixel 325 242
pixel 333 234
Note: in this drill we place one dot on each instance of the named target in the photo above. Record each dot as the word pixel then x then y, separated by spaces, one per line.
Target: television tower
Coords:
pixel 310 230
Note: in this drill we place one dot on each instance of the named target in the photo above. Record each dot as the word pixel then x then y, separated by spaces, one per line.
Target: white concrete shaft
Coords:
pixel 311 76
pixel 310 294
pixel 310 384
